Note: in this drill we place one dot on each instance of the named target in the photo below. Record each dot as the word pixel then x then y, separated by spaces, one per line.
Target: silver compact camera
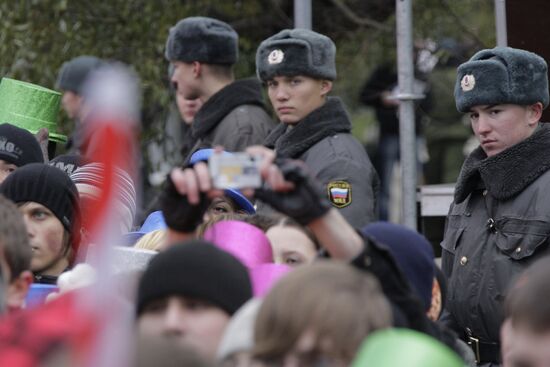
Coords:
pixel 235 170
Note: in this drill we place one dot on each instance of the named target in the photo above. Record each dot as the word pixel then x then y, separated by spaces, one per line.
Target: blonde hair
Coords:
pixel 336 302
pixel 153 240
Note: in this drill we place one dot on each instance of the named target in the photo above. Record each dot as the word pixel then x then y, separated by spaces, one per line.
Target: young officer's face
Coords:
pixel 183 77
pixel 47 239
pixel 522 347
pixel 295 97
pixel 71 103
pixel 193 322
pixel 498 127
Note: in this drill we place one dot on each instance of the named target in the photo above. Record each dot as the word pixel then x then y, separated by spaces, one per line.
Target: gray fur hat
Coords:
pixel 202 39
pixel 296 52
pixel 502 75
pixel 73 73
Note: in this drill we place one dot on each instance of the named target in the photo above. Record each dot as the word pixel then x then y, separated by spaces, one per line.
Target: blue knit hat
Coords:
pixel 413 253
pixel 502 75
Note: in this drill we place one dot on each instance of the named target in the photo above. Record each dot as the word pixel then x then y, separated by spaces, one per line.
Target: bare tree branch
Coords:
pixel 348 13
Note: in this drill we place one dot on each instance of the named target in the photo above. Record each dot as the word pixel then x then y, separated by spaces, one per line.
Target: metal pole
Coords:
pixel 406 96
pixel 500 20
pixel 302 14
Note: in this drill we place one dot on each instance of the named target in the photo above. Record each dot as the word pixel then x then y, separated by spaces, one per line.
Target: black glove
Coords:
pixel 305 203
pixel 178 213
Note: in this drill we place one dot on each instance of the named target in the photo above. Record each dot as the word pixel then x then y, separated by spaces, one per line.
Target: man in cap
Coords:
pixel 298 66
pixel 18 147
pixel 203 51
pixel 71 80
pixel 189 292
pixel 48 200
pixel 499 221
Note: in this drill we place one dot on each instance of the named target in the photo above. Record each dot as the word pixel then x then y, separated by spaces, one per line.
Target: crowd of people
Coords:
pixel 296 272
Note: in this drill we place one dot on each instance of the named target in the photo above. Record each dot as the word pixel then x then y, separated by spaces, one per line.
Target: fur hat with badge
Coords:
pixel 202 39
pixel 296 52
pixel 502 75
pixel 18 146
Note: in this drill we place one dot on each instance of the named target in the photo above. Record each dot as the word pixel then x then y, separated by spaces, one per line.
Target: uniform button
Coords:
pixel 484 192
pixel 468 214
pixel 518 250
pixel 367 261
pixel 463 260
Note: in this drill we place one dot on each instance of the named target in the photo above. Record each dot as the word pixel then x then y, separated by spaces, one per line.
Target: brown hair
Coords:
pixel 266 221
pixel 14 238
pixel 526 302
pixel 338 303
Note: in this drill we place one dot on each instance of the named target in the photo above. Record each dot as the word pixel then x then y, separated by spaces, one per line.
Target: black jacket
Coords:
pixel 324 142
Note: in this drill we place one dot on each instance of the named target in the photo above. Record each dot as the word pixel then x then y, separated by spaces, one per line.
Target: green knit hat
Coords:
pixel 30 106
pixel 404 347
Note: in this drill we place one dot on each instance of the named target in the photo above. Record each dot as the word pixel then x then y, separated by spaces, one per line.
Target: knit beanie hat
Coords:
pixel 49 186
pixel 73 73
pixel 196 269
pixel 296 52
pixel 18 146
pixel 88 180
pixel 502 75
pixel 412 252
pixel 202 39
pixel 68 163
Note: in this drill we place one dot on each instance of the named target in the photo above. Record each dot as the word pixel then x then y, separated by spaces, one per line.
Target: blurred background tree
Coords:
pixel 37 36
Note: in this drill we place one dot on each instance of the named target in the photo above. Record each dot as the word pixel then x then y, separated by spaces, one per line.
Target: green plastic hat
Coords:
pixel 30 106
pixel 404 347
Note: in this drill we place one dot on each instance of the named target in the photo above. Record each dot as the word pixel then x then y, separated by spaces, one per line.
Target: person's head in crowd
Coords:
pixel 187 108
pixel 292 243
pixel 71 80
pixel 89 179
pixel 413 253
pixel 154 240
pixel 525 333
pixel 16 260
pixel 504 91
pixel 233 201
pixel 189 292
pixel 68 163
pixel 202 51
pixel 319 314
pixel 298 66
pixel 17 148
pixel 236 346
pixel 49 203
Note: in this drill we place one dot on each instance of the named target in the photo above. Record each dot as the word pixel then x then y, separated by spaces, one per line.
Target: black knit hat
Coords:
pixel 49 186
pixel 196 269
pixel 68 163
pixel 202 39
pixel 18 146
pixel 73 73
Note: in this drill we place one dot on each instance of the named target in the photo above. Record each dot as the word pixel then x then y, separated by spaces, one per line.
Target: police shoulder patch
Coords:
pixel 339 193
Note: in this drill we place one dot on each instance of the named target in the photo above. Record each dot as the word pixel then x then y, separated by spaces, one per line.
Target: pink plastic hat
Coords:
pixel 265 276
pixel 244 241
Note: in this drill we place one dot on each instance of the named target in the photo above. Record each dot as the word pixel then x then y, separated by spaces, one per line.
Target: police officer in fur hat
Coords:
pixel 499 222
pixel 202 51
pixel 299 68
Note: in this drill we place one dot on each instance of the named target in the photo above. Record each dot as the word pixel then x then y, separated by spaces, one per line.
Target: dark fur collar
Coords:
pixel 509 172
pixel 238 93
pixel 329 119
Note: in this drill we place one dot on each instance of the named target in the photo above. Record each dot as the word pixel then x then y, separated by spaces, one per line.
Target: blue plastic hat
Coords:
pixel 154 221
pixel 242 202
